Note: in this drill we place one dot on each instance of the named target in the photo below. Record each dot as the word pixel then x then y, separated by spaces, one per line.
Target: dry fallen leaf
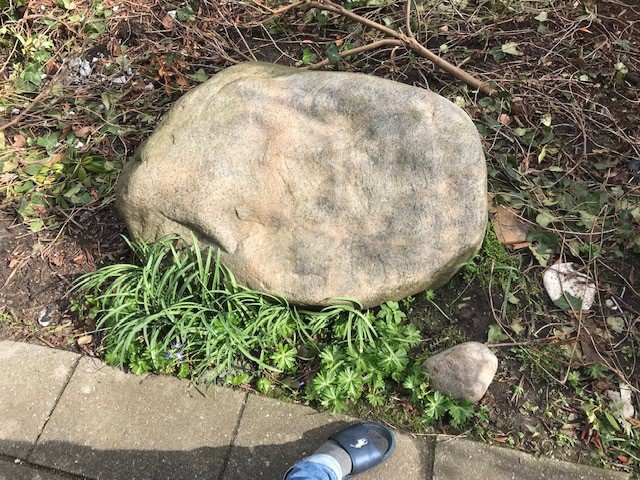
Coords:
pixel 83 131
pixel 55 159
pixel 510 230
pixel 19 141
pixel 56 260
pixel 504 119
pixel 7 177
pixel 167 21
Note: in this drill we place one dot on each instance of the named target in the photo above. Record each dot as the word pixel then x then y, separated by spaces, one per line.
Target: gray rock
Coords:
pixel 315 185
pixel 463 371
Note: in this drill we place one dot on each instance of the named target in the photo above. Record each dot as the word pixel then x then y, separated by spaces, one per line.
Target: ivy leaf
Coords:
pixel 263 385
pixel 48 141
pixel 544 219
pixel 568 303
pixel 495 333
pixel 33 169
pixel 546 119
pixel 547 241
pixel 308 57
pixel 542 17
pixel 199 76
pixel 511 48
pixel 333 53
pixel 239 379
pixel 185 14
pixel 616 324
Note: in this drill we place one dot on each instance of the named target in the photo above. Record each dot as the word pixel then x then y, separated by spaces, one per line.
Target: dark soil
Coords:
pixel 37 270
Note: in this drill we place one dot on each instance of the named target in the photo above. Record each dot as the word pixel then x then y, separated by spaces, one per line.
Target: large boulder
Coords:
pixel 315 185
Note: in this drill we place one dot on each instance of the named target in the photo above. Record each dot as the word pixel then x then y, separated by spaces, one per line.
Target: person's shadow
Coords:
pixel 268 462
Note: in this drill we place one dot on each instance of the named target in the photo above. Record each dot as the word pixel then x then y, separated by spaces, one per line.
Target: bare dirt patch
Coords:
pixel 38 268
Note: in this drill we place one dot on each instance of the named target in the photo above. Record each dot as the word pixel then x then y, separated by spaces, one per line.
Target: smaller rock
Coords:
pixel 85 340
pixel 463 371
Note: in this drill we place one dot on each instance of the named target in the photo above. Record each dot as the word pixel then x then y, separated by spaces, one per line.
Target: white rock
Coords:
pixel 563 278
pixel 621 402
pixel 79 68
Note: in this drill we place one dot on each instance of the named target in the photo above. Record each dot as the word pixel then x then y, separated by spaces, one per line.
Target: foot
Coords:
pixel 360 447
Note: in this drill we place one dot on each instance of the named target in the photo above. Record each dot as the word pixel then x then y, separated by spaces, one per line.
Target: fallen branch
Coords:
pixel 407 41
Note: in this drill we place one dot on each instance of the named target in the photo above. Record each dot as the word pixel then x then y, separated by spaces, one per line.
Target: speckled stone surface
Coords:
pixel 315 185
pixel 110 425
pixel 31 380
pixel 457 459
pixel 23 471
pixel 463 371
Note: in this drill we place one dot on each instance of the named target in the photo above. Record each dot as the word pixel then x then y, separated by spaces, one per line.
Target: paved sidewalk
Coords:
pixel 65 417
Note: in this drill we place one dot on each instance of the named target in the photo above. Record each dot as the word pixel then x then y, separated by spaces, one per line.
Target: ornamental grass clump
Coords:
pixel 177 309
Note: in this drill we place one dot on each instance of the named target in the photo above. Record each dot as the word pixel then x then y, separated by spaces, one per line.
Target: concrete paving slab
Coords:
pixel 273 435
pixel 31 381
pixel 22 471
pixel 457 459
pixel 110 425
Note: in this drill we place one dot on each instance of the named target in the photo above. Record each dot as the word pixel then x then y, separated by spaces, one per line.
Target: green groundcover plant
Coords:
pixel 178 310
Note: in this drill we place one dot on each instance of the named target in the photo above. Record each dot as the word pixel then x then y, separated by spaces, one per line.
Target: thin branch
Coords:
pixel 354 51
pixel 279 11
pixel 408 20
pixel 36 100
pixel 408 41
